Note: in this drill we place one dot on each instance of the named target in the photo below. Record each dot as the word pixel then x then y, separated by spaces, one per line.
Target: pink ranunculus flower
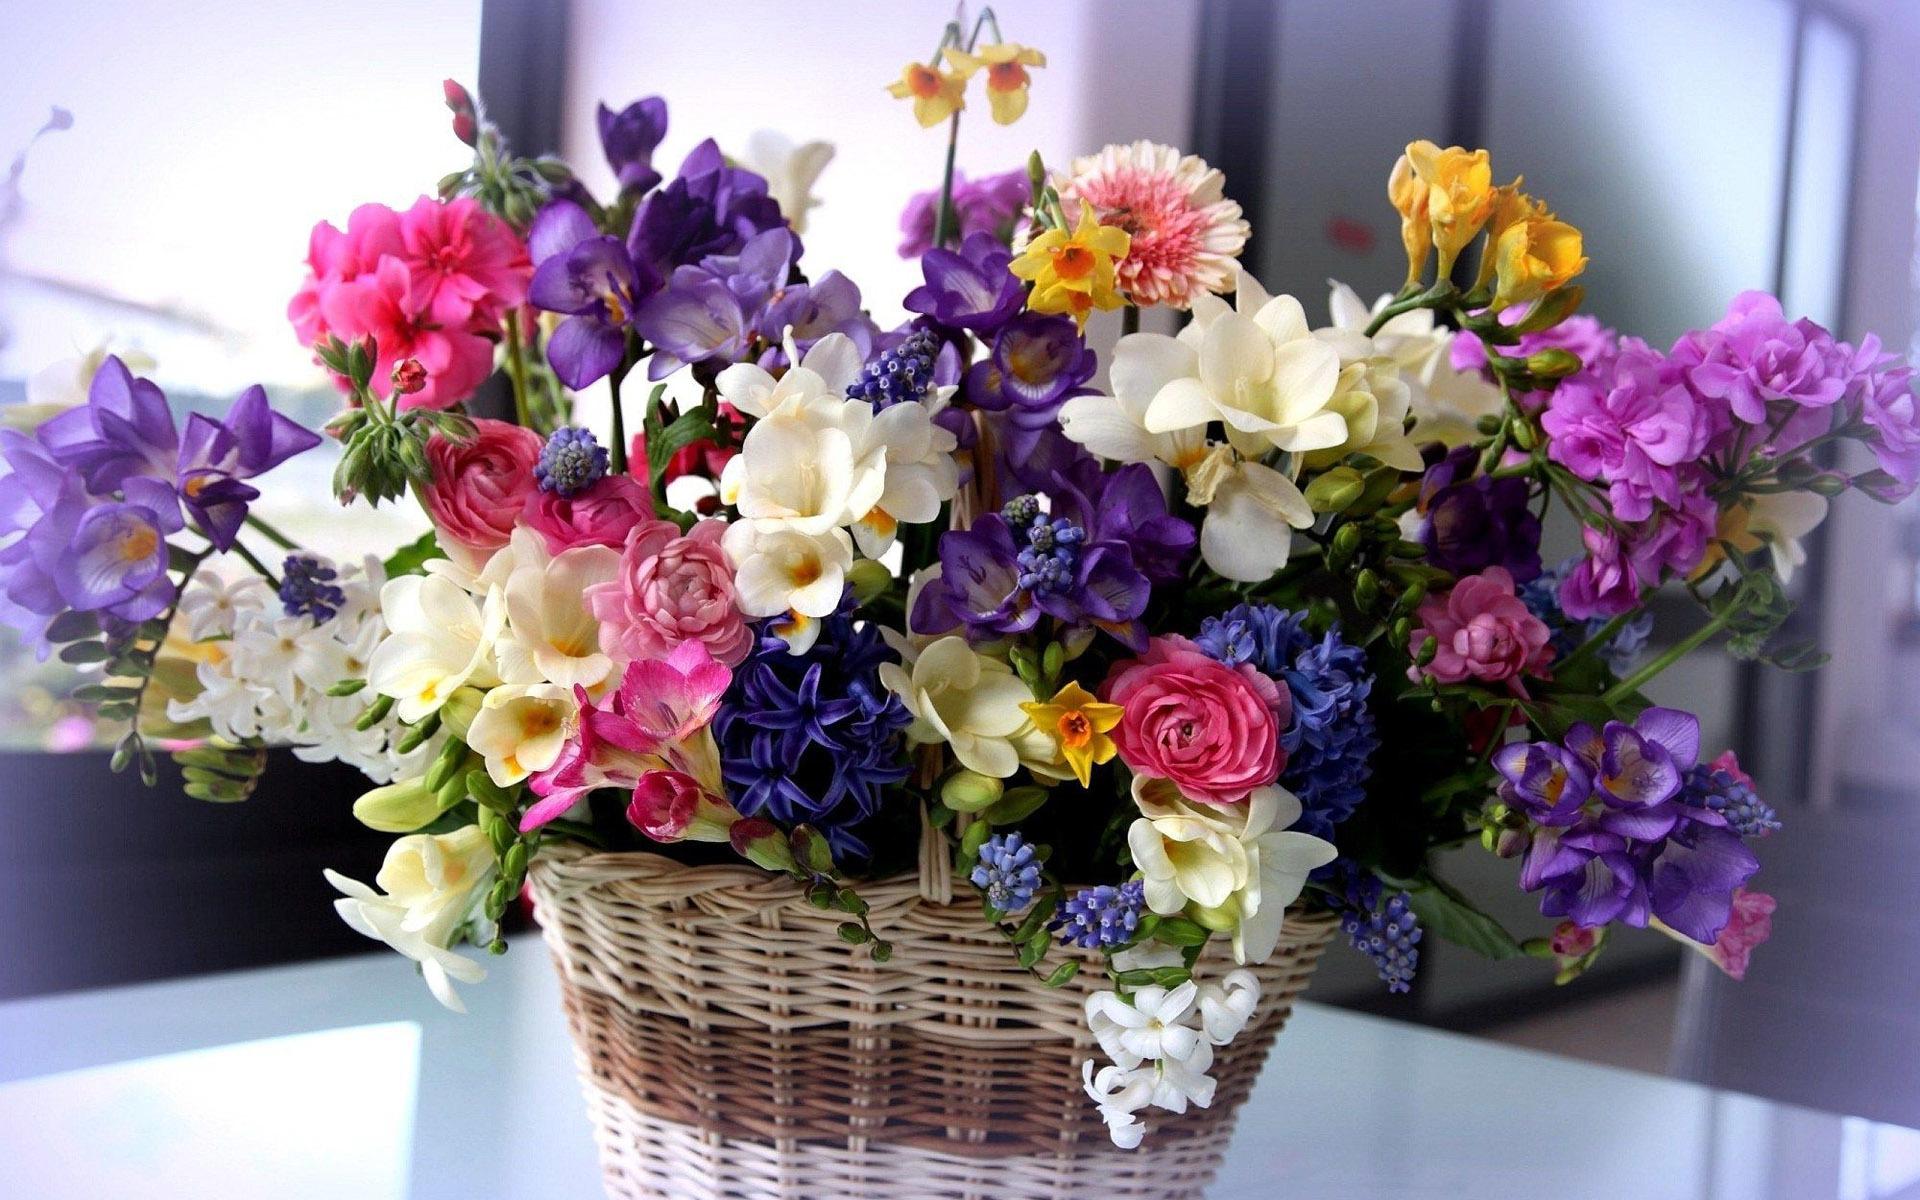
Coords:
pixel 1213 730
pixel 671 590
pixel 602 514
pixel 1485 633
pixel 478 488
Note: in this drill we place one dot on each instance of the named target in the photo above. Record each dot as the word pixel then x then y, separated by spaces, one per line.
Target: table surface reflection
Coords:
pixel 344 1079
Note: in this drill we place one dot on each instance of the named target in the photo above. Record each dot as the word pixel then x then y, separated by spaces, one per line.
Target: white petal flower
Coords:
pixel 1252 511
pixel 430 885
pixel 1118 1094
pixel 1279 862
pixel 1115 427
pixel 780 570
pixel 1781 519
pixel 1445 403
pixel 965 699
pixel 1186 853
pixel 1227 1006
pixel 790 171
pixel 552 637
pixel 920 473
pixel 438 641
pixel 521 729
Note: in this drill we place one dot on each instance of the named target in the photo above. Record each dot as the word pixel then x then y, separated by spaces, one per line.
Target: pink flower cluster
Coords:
pixel 431 284
pixel 985 205
pixel 672 589
pixel 1484 633
pixel 1214 730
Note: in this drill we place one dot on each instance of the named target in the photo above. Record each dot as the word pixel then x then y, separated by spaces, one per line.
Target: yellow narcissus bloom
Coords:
pixel 1460 195
pixel 1535 255
pixel 1408 194
pixel 936 94
pixel 1074 273
pixel 1080 724
pixel 1006 66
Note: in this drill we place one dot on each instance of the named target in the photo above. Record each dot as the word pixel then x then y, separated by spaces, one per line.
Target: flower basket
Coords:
pixel 731 1045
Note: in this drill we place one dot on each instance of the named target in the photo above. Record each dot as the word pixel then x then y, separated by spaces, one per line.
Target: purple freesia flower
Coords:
pixel 978 586
pixel 216 457
pixel 970 288
pixel 707 312
pixel 629 138
pixel 809 311
pixel 1126 508
pixel 112 558
pixel 1692 878
pixel 1036 364
pixel 988 205
pixel 709 208
pixel 124 429
pixel 1472 522
pixel 1550 783
pixel 591 277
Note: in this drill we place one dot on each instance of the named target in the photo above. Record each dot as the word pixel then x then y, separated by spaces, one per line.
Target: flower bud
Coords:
pixel 409 376
pixel 671 806
pixel 1336 490
pixel 761 843
pixel 1366 590
pixel 1511 843
pixel 1828 485
pixel 458 710
pixel 1222 918
pixel 466 120
pixel 869 578
pixel 970 792
pixel 400 807
pixel 1553 363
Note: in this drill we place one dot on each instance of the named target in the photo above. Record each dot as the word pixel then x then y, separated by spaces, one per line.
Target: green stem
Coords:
pixel 1596 643
pixel 617 452
pixel 944 219
pixel 271 534
pixel 1439 291
pixel 517 373
pixel 1693 641
pixel 253 561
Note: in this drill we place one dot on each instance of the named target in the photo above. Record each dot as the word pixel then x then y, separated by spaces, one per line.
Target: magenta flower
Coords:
pixel 1633 433
pixel 1485 633
pixel 1754 357
pixel 1749 925
pixel 1210 728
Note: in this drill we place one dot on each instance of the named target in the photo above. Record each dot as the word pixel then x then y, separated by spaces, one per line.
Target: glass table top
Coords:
pixel 345 1079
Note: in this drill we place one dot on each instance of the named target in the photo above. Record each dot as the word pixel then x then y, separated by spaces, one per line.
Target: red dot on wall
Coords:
pixel 1355 237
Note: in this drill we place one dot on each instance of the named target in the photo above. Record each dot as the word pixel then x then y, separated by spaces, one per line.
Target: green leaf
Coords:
pixel 1178 931
pixel 1062 974
pixel 689 427
pixel 412 558
pixel 1451 915
pixel 84 652
pixel 1016 806
pixel 72 627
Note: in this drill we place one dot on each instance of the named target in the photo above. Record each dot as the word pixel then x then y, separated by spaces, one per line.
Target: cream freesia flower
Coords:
pixel 430 885
pixel 1252 511
pixel 1373 399
pixel 439 639
pixel 1231 861
pixel 790 171
pixel 521 729
pixel 552 636
pixel 1259 371
pixel 1446 403
pixel 782 570
pixel 967 700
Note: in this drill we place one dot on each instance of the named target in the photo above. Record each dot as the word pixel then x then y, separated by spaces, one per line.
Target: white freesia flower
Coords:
pixel 1781 519
pixel 783 570
pixel 790 171
pixel 430 885
pixel 551 635
pixel 439 640
pixel 920 473
pixel 521 728
pixel 965 699
pixel 1259 371
pixel 1252 509
pixel 1445 403
pixel 1233 860
pixel 1373 399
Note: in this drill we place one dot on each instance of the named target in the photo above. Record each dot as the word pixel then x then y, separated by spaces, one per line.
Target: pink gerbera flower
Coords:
pixel 1186 233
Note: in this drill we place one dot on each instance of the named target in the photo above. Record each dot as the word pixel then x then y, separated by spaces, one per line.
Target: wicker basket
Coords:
pixel 732 1046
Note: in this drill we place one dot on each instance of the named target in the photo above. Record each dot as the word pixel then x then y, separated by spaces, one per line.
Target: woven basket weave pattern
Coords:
pixel 732 1046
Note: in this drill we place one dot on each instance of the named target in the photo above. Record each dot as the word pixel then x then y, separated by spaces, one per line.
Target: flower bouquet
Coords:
pixel 931 749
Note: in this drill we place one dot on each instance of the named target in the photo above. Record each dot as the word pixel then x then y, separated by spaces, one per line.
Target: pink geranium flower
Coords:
pixel 464 261
pixel 1485 633
pixel 381 305
pixel 1214 730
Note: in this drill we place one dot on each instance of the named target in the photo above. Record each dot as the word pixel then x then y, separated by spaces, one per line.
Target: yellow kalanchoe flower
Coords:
pixel 1006 66
pixel 1080 724
pixel 1535 255
pixel 1073 273
pixel 936 94
pixel 1460 195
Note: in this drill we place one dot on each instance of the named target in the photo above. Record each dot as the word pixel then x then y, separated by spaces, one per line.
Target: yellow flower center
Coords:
pixel 139 543
pixel 806 571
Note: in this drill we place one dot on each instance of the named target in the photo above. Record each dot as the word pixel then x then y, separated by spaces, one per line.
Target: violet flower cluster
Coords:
pixel 1616 832
pixel 94 495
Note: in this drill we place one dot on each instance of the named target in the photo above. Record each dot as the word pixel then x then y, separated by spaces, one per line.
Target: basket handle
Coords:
pixel 936 863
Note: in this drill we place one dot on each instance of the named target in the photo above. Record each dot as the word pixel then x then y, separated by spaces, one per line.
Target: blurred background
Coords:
pixel 171 159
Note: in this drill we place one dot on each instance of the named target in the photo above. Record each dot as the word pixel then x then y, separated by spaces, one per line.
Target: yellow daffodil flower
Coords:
pixel 1460 195
pixel 1006 66
pixel 1408 194
pixel 1080 724
pixel 1073 273
pixel 1535 255
pixel 936 94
